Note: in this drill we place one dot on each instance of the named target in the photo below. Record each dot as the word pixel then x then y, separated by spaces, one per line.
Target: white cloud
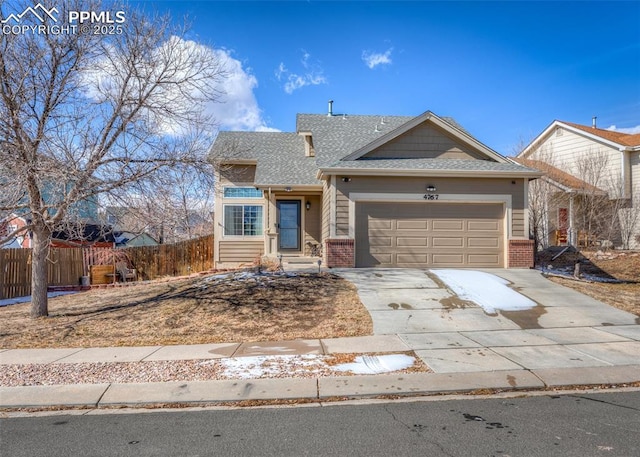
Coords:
pixel 236 108
pixel 629 130
pixel 239 109
pixel 312 75
pixel 373 59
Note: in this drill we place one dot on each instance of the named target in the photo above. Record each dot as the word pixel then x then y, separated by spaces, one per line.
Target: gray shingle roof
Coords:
pixel 281 159
pixel 280 156
pixel 431 164
pixel 335 137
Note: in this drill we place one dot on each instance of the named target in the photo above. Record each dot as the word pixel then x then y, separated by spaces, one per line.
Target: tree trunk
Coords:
pixel 40 252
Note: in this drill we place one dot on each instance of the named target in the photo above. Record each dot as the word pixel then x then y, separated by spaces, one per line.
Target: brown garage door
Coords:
pixel 429 235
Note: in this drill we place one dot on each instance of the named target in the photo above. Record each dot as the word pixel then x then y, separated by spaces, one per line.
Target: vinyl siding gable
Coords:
pixel 424 141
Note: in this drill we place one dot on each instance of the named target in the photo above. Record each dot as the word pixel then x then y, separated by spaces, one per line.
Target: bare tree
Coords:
pixel 593 208
pixel 85 115
pixel 629 218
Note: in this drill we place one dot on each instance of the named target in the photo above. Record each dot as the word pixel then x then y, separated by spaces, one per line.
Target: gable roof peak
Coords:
pixel 624 139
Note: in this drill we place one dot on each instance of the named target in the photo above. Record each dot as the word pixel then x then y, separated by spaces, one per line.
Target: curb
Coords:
pixel 310 389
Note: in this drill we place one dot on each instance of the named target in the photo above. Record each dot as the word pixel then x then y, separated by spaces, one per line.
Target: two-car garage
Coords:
pixel 429 234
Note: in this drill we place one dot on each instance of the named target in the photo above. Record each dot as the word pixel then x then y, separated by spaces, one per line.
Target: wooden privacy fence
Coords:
pixel 177 259
pixel 66 266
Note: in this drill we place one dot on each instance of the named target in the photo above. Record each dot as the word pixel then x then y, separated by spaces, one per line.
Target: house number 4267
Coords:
pixel 431 196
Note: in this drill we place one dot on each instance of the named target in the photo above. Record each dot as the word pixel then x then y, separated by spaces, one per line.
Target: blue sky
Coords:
pixel 504 70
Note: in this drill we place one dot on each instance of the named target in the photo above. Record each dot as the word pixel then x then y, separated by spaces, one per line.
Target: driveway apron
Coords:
pixel 565 329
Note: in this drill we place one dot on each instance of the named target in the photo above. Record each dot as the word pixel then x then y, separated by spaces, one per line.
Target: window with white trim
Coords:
pixel 242 192
pixel 242 220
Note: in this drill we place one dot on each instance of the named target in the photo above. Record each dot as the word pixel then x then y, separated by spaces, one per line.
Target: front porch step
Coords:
pixel 292 260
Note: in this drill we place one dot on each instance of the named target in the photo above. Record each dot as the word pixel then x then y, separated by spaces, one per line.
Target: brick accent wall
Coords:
pixel 521 254
pixel 340 253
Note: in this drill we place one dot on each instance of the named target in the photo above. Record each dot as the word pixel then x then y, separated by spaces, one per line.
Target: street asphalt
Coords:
pixel 567 339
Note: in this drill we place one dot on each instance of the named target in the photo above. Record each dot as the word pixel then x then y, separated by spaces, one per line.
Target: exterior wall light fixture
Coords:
pixel 287 189
pixel 308 205
pixel 431 188
pixel 346 179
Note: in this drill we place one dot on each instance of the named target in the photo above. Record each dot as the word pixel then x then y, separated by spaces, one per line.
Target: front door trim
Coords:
pixel 293 228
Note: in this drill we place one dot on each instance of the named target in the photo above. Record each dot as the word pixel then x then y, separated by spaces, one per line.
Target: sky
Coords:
pixel 503 70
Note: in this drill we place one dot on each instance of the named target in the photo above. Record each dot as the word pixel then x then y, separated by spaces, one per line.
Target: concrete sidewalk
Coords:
pixel 448 376
pixel 567 339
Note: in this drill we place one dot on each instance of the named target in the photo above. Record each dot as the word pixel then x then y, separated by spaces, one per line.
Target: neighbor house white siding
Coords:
pixel 565 150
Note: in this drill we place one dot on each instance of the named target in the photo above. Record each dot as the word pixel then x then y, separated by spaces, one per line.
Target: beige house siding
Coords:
pixel 342 209
pixel 238 251
pixel 404 185
pixel 312 226
pixel 237 174
pixel 235 250
pixel 326 209
pixel 518 224
pixel 425 141
pixel 565 150
pixel 634 160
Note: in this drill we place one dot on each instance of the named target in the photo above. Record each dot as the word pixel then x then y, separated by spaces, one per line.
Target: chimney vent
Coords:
pixel 593 121
pixel 330 112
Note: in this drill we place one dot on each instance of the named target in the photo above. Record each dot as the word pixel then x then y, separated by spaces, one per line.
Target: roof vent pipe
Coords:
pixel 330 112
pixel 593 121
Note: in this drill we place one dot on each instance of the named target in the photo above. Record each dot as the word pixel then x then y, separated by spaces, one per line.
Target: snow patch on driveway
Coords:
pixel 488 291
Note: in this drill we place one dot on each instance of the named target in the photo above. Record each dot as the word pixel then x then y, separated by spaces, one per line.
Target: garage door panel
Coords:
pixel 483 260
pixel 482 226
pixel 448 259
pixel 380 224
pixel 489 242
pixel 410 241
pixel 381 241
pixel 411 224
pixel 382 258
pixel 429 234
pixel 448 242
pixel 448 225
pixel 414 259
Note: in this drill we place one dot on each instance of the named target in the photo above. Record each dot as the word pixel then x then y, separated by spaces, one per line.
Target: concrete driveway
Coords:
pixel 565 329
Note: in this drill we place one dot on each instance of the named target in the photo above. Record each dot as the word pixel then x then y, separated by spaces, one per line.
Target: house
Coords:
pixel 157 225
pixel 83 235
pixel 126 239
pixel 10 225
pixel 371 191
pixel 596 173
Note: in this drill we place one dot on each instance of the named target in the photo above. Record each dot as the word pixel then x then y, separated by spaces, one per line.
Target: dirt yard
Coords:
pixel 620 265
pixel 237 308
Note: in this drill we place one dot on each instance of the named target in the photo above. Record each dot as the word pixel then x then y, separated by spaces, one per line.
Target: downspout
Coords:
pixel 571 239
pixel 268 240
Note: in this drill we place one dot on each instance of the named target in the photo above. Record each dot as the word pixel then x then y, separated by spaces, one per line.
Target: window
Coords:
pixel 242 192
pixel 242 220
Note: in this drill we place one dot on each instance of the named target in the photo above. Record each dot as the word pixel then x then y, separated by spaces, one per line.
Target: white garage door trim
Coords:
pixel 506 199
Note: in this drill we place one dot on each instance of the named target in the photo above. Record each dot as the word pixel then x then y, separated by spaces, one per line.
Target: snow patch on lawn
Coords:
pixel 249 275
pixel 488 291
pixel 27 298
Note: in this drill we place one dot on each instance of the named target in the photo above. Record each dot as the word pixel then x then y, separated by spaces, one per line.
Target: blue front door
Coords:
pixel 289 224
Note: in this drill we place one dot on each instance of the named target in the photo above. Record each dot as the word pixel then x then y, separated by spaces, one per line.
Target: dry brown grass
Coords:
pixel 623 266
pixel 193 311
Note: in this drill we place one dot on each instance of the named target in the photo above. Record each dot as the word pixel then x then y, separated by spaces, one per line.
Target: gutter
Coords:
pixel 322 172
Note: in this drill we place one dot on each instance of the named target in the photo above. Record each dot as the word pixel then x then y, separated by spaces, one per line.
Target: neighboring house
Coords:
pixel 168 226
pixel 98 236
pixel 130 239
pixel 587 162
pixel 373 192
pixel 9 226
